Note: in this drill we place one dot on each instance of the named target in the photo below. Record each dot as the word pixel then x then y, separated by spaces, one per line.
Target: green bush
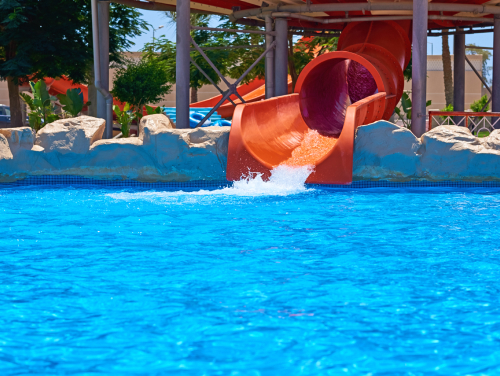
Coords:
pixel 404 110
pixel 72 101
pixel 41 108
pixel 448 108
pixel 477 106
pixel 141 83
pixel 124 118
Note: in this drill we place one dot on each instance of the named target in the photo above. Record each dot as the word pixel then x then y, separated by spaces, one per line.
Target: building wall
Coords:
pixel 4 93
pixel 435 84
pixel 206 92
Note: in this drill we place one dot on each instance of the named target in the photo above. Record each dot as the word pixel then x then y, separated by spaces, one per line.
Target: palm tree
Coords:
pixel 448 76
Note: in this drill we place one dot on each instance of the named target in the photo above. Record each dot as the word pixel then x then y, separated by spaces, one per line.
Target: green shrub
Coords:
pixel 72 101
pixel 477 106
pixel 124 118
pixel 41 108
pixel 448 108
pixel 141 83
pixel 404 111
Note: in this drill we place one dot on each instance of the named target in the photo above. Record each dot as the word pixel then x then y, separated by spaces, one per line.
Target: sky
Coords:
pixel 434 46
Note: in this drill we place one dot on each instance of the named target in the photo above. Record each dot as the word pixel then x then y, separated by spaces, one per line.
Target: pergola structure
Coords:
pixel 429 17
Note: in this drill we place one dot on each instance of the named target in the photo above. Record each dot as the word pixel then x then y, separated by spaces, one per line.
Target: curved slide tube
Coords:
pixel 60 86
pixel 335 93
pixel 227 110
pixel 242 90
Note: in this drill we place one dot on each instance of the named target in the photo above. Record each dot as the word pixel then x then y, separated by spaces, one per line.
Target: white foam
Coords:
pixel 284 181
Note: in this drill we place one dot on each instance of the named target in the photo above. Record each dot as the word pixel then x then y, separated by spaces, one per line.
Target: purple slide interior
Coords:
pixel 329 89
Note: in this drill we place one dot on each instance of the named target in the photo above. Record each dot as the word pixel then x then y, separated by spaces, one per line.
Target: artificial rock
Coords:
pixel 73 135
pixel 160 153
pixel 382 151
pixel 19 138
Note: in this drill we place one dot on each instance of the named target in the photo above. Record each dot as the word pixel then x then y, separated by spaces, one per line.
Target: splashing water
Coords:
pixel 284 181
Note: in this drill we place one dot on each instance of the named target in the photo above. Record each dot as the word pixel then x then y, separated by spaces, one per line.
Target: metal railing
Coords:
pixel 476 122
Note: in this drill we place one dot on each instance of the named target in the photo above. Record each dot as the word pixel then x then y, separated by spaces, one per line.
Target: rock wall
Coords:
pixel 382 151
pixel 75 147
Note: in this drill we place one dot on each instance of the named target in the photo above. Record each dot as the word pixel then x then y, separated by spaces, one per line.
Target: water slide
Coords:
pixel 358 84
pixel 242 90
pixel 252 91
pixel 61 85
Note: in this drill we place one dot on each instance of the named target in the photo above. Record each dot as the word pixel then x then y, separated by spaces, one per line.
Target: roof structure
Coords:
pixel 336 14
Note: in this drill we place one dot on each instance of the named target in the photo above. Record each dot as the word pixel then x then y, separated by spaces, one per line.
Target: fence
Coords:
pixel 478 122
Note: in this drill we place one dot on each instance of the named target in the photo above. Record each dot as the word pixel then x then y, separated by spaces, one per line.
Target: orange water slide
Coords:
pixel 242 90
pixel 256 95
pixel 61 86
pixel 315 126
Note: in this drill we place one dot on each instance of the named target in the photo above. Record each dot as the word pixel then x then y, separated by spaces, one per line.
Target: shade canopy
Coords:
pixel 336 14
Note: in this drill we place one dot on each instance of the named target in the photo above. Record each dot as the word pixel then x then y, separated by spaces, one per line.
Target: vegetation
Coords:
pixel 306 49
pixel 165 51
pixel 447 71
pixel 124 118
pixel 42 110
pixel 72 101
pixel 153 111
pixel 35 43
pixel 41 107
pixel 407 73
pixel 233 62
pixel 480 105
pixel 448 108
pixel 404 110
pixel 139 83
pixel 486 56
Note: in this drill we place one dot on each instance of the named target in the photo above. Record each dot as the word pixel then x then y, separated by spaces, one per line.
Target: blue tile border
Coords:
pixel 410 184
pixel 80 180
pixel 211 184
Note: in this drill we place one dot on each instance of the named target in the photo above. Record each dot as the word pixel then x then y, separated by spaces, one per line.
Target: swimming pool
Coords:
pixel 258 279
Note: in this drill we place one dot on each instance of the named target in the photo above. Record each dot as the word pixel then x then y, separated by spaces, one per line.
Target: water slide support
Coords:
pixel 419 66
pixel 496 66
pixel 269 60
pixel 183 37
pixel 281 57
pixel 97 69
pixel 103 19
pixel 459 72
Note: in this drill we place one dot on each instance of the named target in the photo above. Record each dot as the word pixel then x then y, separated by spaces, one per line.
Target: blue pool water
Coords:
pixel 258 279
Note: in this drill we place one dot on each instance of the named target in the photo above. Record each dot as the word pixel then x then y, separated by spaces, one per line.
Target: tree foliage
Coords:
pixel 486 56
pixel 52 38
pixel 404 110
pixel 447 71
pixel 480 105
pixel 165 51
pixel 142 82
pixel 305 50
pixel 233 62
